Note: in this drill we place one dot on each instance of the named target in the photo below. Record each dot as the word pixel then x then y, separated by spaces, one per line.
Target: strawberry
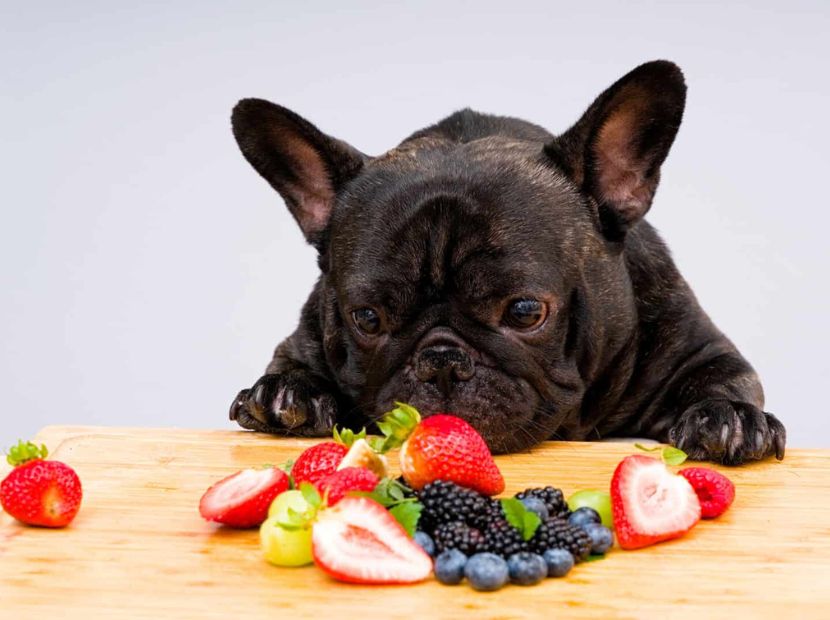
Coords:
pixel 361 454
pixel 336 485
pixel 441 447
pixel 317 462
pixel 242 500
pixel 714 490
pixel 37 491
pixel 650 503
pixel 322 459
pixel 358 541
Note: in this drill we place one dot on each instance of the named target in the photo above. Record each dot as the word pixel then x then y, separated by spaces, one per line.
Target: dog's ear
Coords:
pixel 615 150
pixel 303 164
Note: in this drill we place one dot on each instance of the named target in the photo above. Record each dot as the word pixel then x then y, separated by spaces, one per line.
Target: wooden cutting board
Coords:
pixel 138 548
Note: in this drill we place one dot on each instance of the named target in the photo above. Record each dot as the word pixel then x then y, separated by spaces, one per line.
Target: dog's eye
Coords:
pixel 367 321
pixel 525 313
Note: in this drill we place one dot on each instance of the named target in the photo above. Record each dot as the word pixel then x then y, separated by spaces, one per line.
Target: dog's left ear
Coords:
pixel 615 150
pixel 307 167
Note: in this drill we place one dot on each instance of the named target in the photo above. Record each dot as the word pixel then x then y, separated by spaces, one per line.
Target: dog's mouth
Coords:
pixel 507 412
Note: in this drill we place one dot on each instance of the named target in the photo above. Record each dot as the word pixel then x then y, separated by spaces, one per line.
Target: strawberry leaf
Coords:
pixel 396 426
pixel 669 454
pixel 311 495
pixel 530 523
pixel 595 557
pixel 674 456
pixel 389 492
pixel 24 452
pixel 407 514
pixel 520 517
pixel 347 436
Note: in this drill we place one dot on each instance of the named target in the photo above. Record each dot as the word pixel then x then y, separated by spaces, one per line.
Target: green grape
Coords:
pixel 598 500
pixel 285 547
pixel 285 500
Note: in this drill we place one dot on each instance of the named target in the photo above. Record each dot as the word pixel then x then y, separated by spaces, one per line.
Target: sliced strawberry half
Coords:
pixel 650 503
pixel 242 500
pixel 358 541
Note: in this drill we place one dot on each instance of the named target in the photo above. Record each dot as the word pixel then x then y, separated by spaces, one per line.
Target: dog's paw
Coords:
pixel 728 432
pixel 285 404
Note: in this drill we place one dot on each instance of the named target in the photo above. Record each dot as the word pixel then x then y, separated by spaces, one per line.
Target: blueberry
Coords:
pixel 449 567
pixel 534 504
pixel 601 537
pixel 583 516
pixel 486 571
pixel 527 569
pixel 559 561
pixel 423 540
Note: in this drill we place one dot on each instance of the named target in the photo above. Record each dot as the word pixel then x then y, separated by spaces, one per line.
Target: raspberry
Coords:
pixel 559 534
pixel 714 490
pixel 553 499
pixel 457 535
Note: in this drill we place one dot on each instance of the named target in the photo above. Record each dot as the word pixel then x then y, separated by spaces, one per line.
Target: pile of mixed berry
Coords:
pixel 337 507
pixel 521 539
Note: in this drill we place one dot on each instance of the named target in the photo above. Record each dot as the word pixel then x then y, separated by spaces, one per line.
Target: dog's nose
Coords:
pixel 445 361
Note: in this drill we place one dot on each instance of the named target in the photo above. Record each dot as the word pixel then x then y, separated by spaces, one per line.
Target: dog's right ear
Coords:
pixel 303 164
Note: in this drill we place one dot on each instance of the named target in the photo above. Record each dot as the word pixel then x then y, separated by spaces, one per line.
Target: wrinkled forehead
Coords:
pixel 483 220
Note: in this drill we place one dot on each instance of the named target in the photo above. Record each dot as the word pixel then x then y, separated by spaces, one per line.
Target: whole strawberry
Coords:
pixel 37 491
pixel 323 459
pixel 317 462
pixel 343 481
pixel 440 447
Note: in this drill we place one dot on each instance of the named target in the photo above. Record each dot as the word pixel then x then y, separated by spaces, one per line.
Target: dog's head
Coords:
pixel 477 268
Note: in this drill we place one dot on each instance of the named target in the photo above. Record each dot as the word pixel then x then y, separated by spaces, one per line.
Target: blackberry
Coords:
pixel 503 539
pixel 457 535
pixel 559 534
pixel 552 498
pixel 445 502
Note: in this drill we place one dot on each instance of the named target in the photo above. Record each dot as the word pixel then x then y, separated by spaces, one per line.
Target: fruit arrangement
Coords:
pixel 337 507
pixel 38 491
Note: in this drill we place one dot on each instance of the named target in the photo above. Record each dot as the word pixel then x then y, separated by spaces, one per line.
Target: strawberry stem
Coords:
pixel 347 436
pixel 24 452
pixel 396 426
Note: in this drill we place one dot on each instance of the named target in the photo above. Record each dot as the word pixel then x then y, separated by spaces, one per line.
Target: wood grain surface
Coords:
pixel 138 548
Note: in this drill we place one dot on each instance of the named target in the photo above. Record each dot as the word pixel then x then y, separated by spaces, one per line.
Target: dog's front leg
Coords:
pixel 719 414
pixel 295 396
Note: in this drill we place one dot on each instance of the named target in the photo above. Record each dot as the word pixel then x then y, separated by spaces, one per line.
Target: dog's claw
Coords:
pixel 290 403
pixel 728 432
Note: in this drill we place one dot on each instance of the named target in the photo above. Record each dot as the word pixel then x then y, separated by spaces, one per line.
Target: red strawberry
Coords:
pixel 650 503
pixel 714 490
pixel 358 541
pixel 345 480
pixel 317 462
pixel 39 492
pixel 242 500
pixel 446 447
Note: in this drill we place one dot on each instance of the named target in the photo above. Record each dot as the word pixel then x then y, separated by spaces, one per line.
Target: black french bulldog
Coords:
pixel 487 268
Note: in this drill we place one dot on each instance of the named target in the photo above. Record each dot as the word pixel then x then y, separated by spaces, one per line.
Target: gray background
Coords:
pixel 147 271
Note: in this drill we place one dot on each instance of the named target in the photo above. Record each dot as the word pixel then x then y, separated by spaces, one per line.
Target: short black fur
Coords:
pixel 441 236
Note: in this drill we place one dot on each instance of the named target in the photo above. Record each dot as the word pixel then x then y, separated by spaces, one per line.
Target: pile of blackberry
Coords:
pixel 553 499
pixel 445 502
pixel 460 518
pixel 559 534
